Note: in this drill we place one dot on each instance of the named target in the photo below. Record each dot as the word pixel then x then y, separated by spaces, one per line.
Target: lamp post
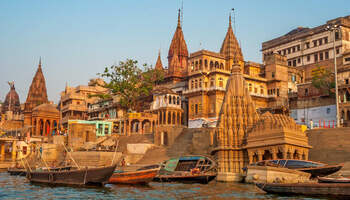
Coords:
pixel 333 29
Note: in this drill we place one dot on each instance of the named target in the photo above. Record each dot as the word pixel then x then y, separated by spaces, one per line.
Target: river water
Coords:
pixel 17 187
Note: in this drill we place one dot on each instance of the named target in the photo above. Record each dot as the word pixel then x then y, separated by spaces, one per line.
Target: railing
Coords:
pixel 204 89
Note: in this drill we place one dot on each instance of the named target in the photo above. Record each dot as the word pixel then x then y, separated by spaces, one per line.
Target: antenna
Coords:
pixel 182 13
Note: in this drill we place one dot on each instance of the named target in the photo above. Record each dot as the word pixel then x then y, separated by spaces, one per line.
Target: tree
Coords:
pixel 129 82
pixel 323 79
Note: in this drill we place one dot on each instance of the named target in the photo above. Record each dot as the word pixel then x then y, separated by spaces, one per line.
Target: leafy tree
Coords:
pixel 323 80
pixel 129 82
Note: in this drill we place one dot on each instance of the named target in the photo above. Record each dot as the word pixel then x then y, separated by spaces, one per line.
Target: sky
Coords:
pixel 77 39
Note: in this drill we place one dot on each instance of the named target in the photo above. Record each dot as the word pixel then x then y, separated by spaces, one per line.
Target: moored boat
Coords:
pixel 333 180
pixel 316 169
pixel 188 169
pixel 133 177
pixel 16 172
pixel 79 176
pixel 308 189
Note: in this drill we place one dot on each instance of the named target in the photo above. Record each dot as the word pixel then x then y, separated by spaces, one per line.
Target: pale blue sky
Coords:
pixel 78 38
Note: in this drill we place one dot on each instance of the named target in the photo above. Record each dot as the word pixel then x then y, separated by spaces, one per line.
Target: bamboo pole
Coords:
pixel 70 156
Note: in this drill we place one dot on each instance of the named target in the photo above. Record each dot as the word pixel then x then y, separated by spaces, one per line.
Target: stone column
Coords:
pixel 33 125
pixel 260 155
pixel 124 127
pixel 274 154
pixel 166 117
pixel 44 127
pixel 2 151
pixel 14 150
pixel 251 155
pixel 37 127
pixel 141 129
pixel 152 126
pixel 129 128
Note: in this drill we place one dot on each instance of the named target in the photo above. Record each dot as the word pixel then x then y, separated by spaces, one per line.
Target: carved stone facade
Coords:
pixel 276 137
pixel 37 95
pixel 11 102
pixel 243 137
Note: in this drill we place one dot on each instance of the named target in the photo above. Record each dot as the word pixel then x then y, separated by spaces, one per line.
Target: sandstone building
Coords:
pixel 311 49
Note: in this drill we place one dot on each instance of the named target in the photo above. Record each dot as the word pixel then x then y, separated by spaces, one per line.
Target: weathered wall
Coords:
pixel 94 159
pixel 331 146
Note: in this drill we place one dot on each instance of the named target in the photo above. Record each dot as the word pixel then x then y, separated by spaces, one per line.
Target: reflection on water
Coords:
pixel 15 187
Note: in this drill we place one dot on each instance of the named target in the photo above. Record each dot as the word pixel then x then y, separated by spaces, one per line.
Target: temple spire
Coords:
pixel 179 19
pixel 159 65
pixel 229 21
pixel 40 62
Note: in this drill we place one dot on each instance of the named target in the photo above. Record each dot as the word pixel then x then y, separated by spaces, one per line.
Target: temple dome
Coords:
pixel 11 102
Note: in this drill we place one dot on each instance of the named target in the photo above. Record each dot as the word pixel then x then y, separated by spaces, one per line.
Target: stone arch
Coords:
pixel 135 125
pixel 146 126
pixel 255 158
pixel 174 100
pixel 279 154
pixel 169 99
pixel 267 155
pixel 216 64
pixel 296 154
pixel 211 65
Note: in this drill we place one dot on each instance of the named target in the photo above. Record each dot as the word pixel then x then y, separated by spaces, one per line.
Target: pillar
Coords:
pixel 33 125
pixel 166 117
pixel 37 127
pixel 124 128
pixel 44 127
pixel 250 155
pixel 129 128
pixel 180 118
pixel 152 126
pixel 274 154
pixel 14 150
pixel 141 129
pixel 2 151
pixel 260 155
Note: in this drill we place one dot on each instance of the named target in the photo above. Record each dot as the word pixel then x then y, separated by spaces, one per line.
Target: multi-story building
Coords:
pixel 200 78
pixel 75 101
pixel 311 49
pixel 344 89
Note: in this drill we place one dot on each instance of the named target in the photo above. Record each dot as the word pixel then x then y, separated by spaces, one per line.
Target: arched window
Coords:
pixel 261 89
pixel 165 98
pixel 206 64
pixel 221 66
pixel 250 87
pixel 200 83
pixel 216 64
pixel 196 84
pixel 221 82
pixel 196 65
pixel 174 100
pixel 192 86
pixel 212 81
pixel 169 99
pixel 200 65
pixel 211 65
pixel 178 100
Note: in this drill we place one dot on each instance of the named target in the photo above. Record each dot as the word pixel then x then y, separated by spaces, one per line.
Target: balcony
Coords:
pixel 204 89
pixel 73 107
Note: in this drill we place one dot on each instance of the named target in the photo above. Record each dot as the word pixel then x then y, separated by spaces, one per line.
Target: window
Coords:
pixel 255 90
pixel 288 50
pixel 250 87
pixel 294 63
pixel 196 109
pixel 174 100
pixel 200 83
pixel 206 64
pixel 196 65
pixel 299 61
pixel 273 74
pixel 320 42
pixel 221 82
pixel 315 43
pixel 306 92
pixel 328 110
pixel 192 66
pixel 337 51
pixel 192 84
pixel 346 81
pixel 293 78
pixel 211 65
pixel 289 63
pixel 321 56
pixel 212 82
pixel 308 58
pixel 347 59
pixel 298 47
pixel 279 52
pixel 169 99
pixel 196 84
pixel 261 90
pixel 316 57
pixel 200 65
pixel 284 52
pixel 307 45
pixel 278 92
pixel 326 55
pixel 178 100
pixel 337 36
pixel 326 40
pixel 293 49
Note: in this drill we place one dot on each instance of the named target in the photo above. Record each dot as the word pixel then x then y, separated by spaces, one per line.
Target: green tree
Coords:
pixel 130 82
pixel 323 79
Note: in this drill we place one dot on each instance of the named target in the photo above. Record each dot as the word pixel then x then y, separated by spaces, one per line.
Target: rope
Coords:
pixel 86 170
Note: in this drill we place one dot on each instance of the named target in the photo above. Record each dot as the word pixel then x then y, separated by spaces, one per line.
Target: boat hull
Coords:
pixel 322 171
pixel 136 177
pixel 333 180
pixel 87 176
pixel 307 189
pixel 197 178
pixel 17 172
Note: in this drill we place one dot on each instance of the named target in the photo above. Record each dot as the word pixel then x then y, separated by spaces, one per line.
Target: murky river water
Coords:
pixel 16 187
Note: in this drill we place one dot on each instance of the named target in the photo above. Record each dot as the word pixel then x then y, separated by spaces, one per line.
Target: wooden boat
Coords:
pixel 308 189
pixel 23 172
pixel 333 180
pixel 316 169
pixel 188 169
pixel 82 176
pixel 133 177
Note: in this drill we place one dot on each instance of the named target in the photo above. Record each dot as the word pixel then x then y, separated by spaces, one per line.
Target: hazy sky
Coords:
pixel 78 38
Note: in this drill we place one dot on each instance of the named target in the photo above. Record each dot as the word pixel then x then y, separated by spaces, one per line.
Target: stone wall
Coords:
pixel 94 158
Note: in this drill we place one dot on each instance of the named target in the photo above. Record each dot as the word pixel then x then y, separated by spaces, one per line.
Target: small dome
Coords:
pixel 46 108
pixel 11 102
